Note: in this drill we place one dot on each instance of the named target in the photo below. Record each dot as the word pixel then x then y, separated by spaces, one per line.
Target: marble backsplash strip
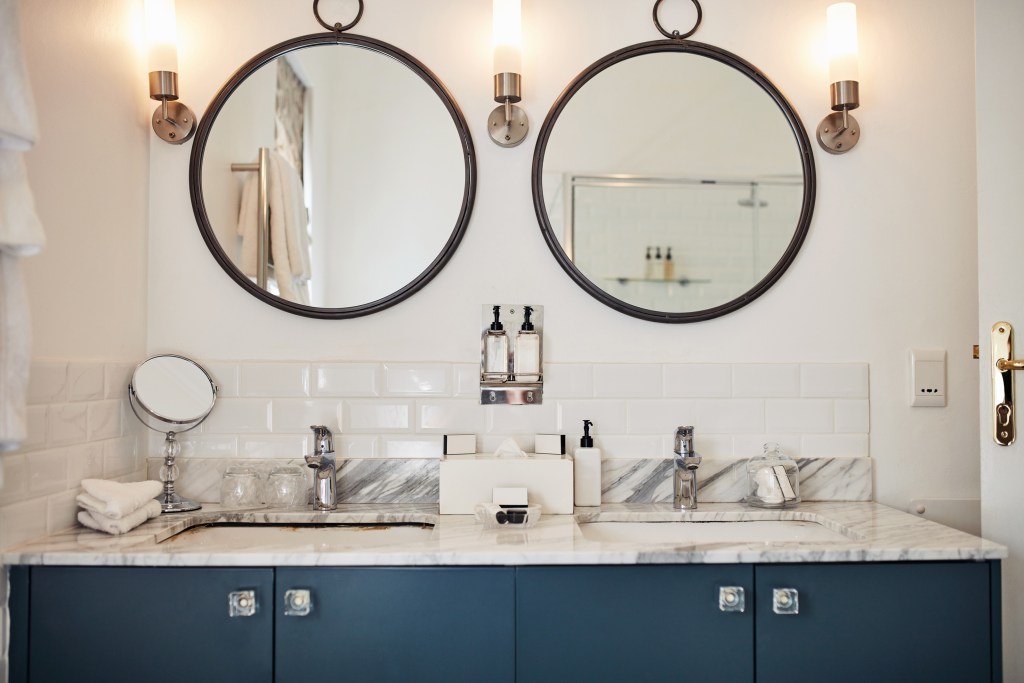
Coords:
pixel 627 480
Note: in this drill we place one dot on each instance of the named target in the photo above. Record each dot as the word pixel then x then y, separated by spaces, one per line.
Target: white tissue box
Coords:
pixel 466 481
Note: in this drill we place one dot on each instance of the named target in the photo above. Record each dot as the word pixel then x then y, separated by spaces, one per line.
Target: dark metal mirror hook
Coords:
pixel 675 35
pixel 337 26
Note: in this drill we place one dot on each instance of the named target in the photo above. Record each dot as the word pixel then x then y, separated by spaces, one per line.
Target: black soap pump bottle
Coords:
pixel 496 349
pixel 586 472
pixel 527 352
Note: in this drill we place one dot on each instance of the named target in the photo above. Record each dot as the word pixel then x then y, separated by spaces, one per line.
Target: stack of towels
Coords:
pixel 117 508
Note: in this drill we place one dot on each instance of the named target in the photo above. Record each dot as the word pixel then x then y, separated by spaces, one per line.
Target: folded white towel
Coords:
pixel 122 525
pixel 116 500
pixel 18 128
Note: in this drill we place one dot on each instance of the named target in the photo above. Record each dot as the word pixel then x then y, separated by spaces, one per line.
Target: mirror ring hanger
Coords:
pixel 359 15
pixel 674 35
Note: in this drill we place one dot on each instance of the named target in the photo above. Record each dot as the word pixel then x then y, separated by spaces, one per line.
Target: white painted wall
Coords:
pixel 87 290
pixel 889 263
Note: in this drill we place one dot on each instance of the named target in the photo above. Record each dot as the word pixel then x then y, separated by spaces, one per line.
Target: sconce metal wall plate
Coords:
pixel 508 125
pixel 838 132
pixel 178 125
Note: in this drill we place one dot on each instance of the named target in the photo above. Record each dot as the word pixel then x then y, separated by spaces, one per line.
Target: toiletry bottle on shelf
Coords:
pixel 496 349
pixel 670 265
pixel 648 265
pixel 659 266
pixel 587 471
pixel 527 350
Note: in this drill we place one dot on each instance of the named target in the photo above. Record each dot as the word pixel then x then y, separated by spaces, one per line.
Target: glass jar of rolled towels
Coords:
pixel 773 479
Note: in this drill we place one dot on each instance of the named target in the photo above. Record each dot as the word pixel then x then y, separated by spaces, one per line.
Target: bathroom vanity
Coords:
pixel 844 591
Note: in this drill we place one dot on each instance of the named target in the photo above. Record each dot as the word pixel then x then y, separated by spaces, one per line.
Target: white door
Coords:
pixel 1000 103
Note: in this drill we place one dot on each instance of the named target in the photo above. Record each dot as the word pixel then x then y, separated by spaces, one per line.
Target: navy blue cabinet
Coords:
pixel 147 624
pixel 632 623
pixel 916 621
pixel 384 624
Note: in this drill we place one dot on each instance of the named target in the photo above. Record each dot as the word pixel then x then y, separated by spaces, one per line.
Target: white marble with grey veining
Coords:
pixel 873 533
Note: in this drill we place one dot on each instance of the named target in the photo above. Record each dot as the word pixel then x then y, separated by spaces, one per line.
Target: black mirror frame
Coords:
pixel 729 59
pixel 203 134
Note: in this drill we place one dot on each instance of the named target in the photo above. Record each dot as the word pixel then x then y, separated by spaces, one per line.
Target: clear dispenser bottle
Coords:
pixel 670 265
pixel 527 350
pixel 773 479
pixel 496 349
pixel 586 471
pixel 659 265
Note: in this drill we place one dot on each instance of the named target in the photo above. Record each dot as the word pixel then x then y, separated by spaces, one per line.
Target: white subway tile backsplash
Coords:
pixel 542 419
pixel 417 379
pixel 800 416
pixel 104 420
pixel 766 380
pixel 47 382
pixel 120 456
pixel 116 377
pixel 608 416
pixel 239 416
pixel 273 379
pixel 730 416
pixel 466 380
pixel 47 471
pixel 225 376
pixel 834 380
pixel 568 380
pixel 61 511
pixel 85 381
pixel 624 446
pixel 750 445
pixel 66 423
pixel 615 380
pixel 365 416
pixel 295 415
pixel 835 445
pixel 659 416
pixel 347 379
pixel 195 444
pixel 452 416
pixel 698 380
pixel 85 461
pixel 349 446
pixel 35 428
pixel 272 446
pixel 852 416
pixel 15 484
pixel 22 521
pixel 423 446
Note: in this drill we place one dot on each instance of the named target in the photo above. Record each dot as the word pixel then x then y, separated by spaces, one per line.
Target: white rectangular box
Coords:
pixel 464 482
pixel 459 444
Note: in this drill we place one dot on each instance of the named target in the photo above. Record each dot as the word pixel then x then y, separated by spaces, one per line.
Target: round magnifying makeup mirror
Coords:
pixel 171 394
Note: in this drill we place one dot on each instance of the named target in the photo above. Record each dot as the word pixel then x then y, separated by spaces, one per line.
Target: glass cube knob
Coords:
pixel 785 601
pixel 731 599
pixel 297 602
pixel 242 603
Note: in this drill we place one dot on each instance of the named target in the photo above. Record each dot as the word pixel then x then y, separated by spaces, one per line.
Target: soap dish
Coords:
pixel 494 516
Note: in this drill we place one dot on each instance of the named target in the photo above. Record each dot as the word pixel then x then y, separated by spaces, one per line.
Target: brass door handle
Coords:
pixel 1004 418
pixel 1004 365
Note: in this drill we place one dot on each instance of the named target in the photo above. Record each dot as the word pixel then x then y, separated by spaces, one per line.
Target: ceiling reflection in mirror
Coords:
pixel 672 185
pixel 369 176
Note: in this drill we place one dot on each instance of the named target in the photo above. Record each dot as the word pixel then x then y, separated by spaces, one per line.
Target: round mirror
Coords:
pixel 673 181
pixel 173 393
pixel 333 176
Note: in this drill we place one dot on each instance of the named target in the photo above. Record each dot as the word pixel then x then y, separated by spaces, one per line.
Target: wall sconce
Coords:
pixel 172 121
pixel 507 124
pixel 839 132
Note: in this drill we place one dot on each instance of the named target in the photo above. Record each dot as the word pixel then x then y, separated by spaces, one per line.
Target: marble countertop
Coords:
pixel 863 532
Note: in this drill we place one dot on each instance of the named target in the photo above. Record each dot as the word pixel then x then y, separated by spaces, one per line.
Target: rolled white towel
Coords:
pixel 122 525
pixel 116 500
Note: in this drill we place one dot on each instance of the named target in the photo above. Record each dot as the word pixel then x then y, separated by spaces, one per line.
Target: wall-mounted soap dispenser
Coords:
pixel 511 357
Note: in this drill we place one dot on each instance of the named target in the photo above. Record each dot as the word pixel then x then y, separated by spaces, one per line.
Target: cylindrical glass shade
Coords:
pixel 508 36
pixel 842 42
pixel 161 35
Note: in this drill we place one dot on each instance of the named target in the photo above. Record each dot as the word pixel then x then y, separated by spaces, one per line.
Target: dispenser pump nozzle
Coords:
pixel 587 441
pixel 496 325
pixel 527 325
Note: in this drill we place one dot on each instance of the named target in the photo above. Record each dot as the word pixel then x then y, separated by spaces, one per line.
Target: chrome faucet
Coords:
pixel 325 496
pixel 687 461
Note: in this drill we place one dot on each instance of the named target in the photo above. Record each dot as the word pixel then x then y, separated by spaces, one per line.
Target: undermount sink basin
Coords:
pixel 318 537
pixel 686 533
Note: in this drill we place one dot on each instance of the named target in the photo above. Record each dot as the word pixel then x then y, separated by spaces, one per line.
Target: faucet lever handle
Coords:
pixel 323 439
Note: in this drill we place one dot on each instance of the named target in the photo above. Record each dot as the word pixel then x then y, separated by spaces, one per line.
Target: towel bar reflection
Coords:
pixel 263 217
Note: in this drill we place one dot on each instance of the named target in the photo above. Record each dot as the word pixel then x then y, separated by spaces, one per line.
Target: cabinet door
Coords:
pixel 650 623
pixel 148 624
pixel 451 624
pixel 914 621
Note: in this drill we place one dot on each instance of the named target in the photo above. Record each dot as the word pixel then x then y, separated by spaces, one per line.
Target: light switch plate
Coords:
pixel 928 378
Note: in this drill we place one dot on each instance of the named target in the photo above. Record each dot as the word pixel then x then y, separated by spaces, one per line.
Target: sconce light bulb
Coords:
pixel 507 33
pixel 161 35
pixel 842 42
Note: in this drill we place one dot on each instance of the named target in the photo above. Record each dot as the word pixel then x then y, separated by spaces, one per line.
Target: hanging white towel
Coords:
pixel 123 525
pixel 248 225
pixel 20 231
pixel 116 499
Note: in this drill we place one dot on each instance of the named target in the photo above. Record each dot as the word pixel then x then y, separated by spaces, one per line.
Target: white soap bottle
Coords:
pixel 587 471
pixel 527 354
